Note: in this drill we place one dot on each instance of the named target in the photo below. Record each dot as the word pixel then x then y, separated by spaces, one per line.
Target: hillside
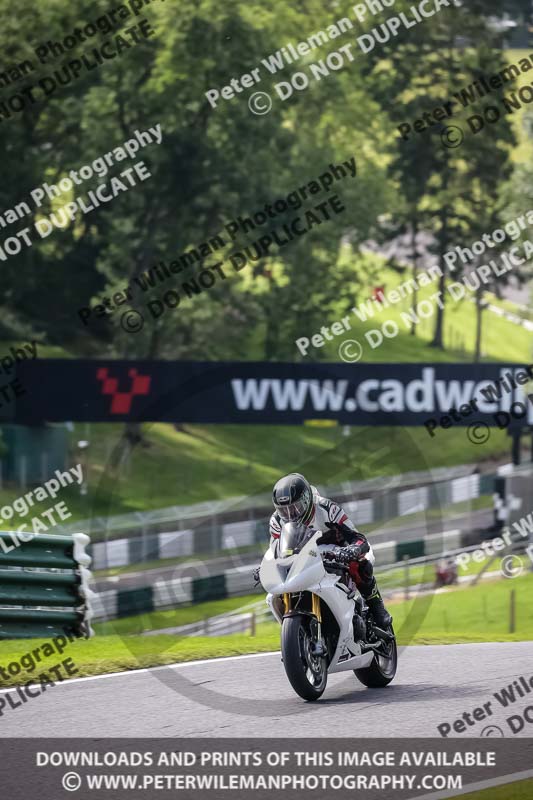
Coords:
pixel 203 462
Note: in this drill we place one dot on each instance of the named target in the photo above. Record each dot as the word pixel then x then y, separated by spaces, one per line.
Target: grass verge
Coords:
pixel 521 790
pixel 173 617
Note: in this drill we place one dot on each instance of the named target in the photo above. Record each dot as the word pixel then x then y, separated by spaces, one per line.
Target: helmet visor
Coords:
pixel 294 511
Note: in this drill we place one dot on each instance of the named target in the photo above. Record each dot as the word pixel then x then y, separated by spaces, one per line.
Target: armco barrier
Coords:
pixel 413 549
pixel 238 580
pixel 212 588
pixel 131 602
pixel 135 601
pixel 44 586
pixel 221 526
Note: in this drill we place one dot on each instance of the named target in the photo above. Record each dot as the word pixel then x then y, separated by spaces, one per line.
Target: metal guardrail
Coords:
pixel 517 545
pixel 44 586
pixel 220 534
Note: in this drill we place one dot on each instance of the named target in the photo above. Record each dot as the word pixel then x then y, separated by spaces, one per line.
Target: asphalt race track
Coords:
pixel 250 696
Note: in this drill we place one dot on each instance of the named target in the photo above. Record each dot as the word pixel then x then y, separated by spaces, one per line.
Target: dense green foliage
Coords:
pixel 216 164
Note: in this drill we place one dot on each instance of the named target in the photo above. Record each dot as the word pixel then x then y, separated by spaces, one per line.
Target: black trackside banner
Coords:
pixel 273 393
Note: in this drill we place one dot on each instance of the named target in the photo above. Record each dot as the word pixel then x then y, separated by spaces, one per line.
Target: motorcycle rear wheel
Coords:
pixel 382 669
pixel 307 674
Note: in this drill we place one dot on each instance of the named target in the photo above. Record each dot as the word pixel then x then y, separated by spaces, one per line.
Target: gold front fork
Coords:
pixel 316 607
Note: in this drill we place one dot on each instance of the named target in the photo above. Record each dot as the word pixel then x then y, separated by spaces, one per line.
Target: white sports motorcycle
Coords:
pixel 325 623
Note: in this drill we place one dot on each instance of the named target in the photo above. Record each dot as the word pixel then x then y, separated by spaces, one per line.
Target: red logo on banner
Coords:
pixel 121 403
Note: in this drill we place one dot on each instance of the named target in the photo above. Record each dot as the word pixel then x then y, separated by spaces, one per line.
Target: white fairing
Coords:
pixel 305 571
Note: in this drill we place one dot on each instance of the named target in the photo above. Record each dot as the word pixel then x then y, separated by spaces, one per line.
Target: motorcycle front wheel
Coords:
pixel 307 673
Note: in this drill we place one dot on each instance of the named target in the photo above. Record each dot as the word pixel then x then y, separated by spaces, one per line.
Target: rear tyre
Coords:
pixel 382 668
pixel 307 673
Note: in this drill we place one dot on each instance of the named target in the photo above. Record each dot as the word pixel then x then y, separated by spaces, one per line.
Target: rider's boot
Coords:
pixel 374 601
pixel 366 583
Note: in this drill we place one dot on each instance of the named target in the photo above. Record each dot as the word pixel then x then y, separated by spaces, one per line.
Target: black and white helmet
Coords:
pixel 293 498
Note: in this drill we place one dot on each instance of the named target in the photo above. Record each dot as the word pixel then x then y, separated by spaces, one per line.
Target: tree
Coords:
pixel 449 191
pixel 213 165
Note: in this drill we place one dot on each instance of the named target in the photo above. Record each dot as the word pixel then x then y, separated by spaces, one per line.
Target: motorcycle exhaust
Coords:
pixel 383 635
pixel 366 646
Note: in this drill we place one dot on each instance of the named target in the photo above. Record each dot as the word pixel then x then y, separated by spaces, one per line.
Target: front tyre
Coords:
pixel 382 668
pixel 307 673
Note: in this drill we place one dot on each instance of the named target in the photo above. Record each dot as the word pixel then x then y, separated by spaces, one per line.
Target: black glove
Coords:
pixel 255 576
pixel 354 552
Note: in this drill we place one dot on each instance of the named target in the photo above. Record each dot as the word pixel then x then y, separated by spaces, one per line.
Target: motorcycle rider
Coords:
pixel 295 500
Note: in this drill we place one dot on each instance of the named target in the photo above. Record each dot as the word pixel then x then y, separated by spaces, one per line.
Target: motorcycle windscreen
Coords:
pixel 292 538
